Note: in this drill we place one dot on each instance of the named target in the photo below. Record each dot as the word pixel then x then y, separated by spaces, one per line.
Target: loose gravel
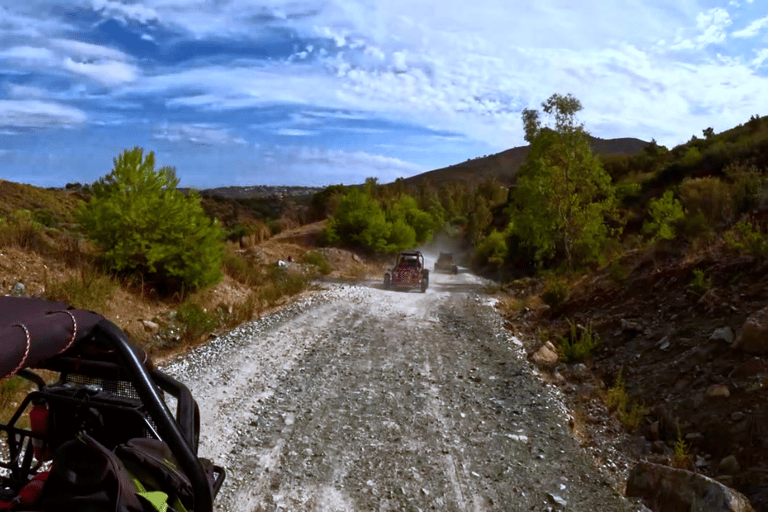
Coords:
pixel 356 398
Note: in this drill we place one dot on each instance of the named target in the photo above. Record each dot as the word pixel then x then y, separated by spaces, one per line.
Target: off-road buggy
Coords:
pixel 445 263
pixel 97 433
pixel 408 272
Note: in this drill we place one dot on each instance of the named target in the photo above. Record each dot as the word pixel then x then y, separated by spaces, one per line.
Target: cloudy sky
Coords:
pixel 318 92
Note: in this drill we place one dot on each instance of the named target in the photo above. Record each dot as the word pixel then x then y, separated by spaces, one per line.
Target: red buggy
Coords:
pixel 408 272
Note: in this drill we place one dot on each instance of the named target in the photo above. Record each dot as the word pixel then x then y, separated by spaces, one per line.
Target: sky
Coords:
pixel 320 92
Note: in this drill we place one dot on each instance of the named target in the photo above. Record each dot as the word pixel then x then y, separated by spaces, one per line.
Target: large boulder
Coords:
pixel 677 490
pixel 754 334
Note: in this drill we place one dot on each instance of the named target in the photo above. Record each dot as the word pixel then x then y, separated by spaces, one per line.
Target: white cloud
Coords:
pixel 88 50
pixel 199 134
pixel 293 132
pixel 30 54
pixel 135 11
pixel 752 29
pixel 110 73
pixel 711 27
pixel 38 114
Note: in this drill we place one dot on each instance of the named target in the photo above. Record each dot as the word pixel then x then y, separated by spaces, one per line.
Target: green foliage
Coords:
pixel 664 212
pixel 193 322
pixel 700 284
pixel 746 238
pixel 359 220
pixel 556 292
pixel 143 225
pixel 279 282
pixel 492 250
pixel 318 260
pixel 710 197
pixel 630 415
pixel 563 192
pixel 579 344
pixel 22 230
pixel 682 456
pixel 750 186
pixel 89 289
pixel 235 266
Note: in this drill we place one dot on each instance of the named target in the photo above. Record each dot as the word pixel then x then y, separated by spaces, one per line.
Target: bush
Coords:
pixel 630 415
pixel 699 284
pixel 20 229
pixel 236 267
pixel 664 212
pixel 710 197
pixel 193 322
pixel 89 289
pixel 492 250
pixel 318 259
pixel 746 238
pixel 580 343
pixel 555 293
pixel 143 225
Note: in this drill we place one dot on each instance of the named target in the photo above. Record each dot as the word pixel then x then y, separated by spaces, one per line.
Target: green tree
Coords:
pixel 142 224
pixel 563 192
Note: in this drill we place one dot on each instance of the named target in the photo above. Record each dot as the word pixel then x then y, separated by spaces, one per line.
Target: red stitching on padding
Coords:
pixel 74 330
pixel 26 350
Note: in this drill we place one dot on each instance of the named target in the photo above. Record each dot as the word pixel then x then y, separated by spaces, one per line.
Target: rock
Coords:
pixel 655 431
pixel 18 290
pixel 718 390
pixel 754 334
pixel 546 356
pixel 729 465
pixel 738 416
pixel 722 334
pixel 631 325
pixel 150 326
pixel 678 490
pixel 659 447
pixel 749 368
pixel 556 499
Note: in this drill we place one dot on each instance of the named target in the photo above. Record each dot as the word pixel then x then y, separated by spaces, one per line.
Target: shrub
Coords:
pixel 682 457
pixel 143 225
pixel 492 250
pixel 555 293
pixel 193 322
pixel 746 238
pixel 239 269
pixel 20 229
pixel 710 197
pixel 88 289
pixel 580 343
pixel 699 284
pixel 630 415
pixel 318 260
pixel 664 212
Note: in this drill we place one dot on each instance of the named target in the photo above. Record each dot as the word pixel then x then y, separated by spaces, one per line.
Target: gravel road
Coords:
pixel 356 398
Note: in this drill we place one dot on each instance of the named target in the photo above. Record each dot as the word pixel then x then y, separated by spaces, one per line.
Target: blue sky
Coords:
pixel 318 92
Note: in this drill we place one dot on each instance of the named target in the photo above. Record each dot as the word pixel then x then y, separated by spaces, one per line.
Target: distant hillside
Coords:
pixel 503 166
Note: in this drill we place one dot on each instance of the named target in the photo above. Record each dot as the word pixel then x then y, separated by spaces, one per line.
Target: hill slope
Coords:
pixel 503 166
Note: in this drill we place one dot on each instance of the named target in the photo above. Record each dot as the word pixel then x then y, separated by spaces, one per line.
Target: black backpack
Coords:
pixel 141 475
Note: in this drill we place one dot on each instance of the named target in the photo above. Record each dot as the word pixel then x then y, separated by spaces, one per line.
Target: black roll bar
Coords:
pixel 158 410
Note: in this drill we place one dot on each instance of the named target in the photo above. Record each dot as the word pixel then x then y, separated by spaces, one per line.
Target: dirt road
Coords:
pixel 357 398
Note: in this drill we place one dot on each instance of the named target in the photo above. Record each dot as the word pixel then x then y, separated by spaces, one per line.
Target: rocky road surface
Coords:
pixel 356 398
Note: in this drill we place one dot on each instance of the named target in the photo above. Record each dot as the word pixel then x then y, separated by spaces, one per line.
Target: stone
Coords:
pixel 149 325
pixel 673 490
pixel 724 334
pixel 18 290
pixel 546 356
pixel 556 499
pixel 718 390
pixel 631 325
pixel 754 334
pixel 729 465
pixel 749 368
pixel 738 416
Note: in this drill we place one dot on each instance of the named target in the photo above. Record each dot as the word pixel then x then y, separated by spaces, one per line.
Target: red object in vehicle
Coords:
pixel 39 425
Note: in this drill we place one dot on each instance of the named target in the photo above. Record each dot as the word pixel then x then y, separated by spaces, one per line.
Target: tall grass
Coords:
pixel 87 289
